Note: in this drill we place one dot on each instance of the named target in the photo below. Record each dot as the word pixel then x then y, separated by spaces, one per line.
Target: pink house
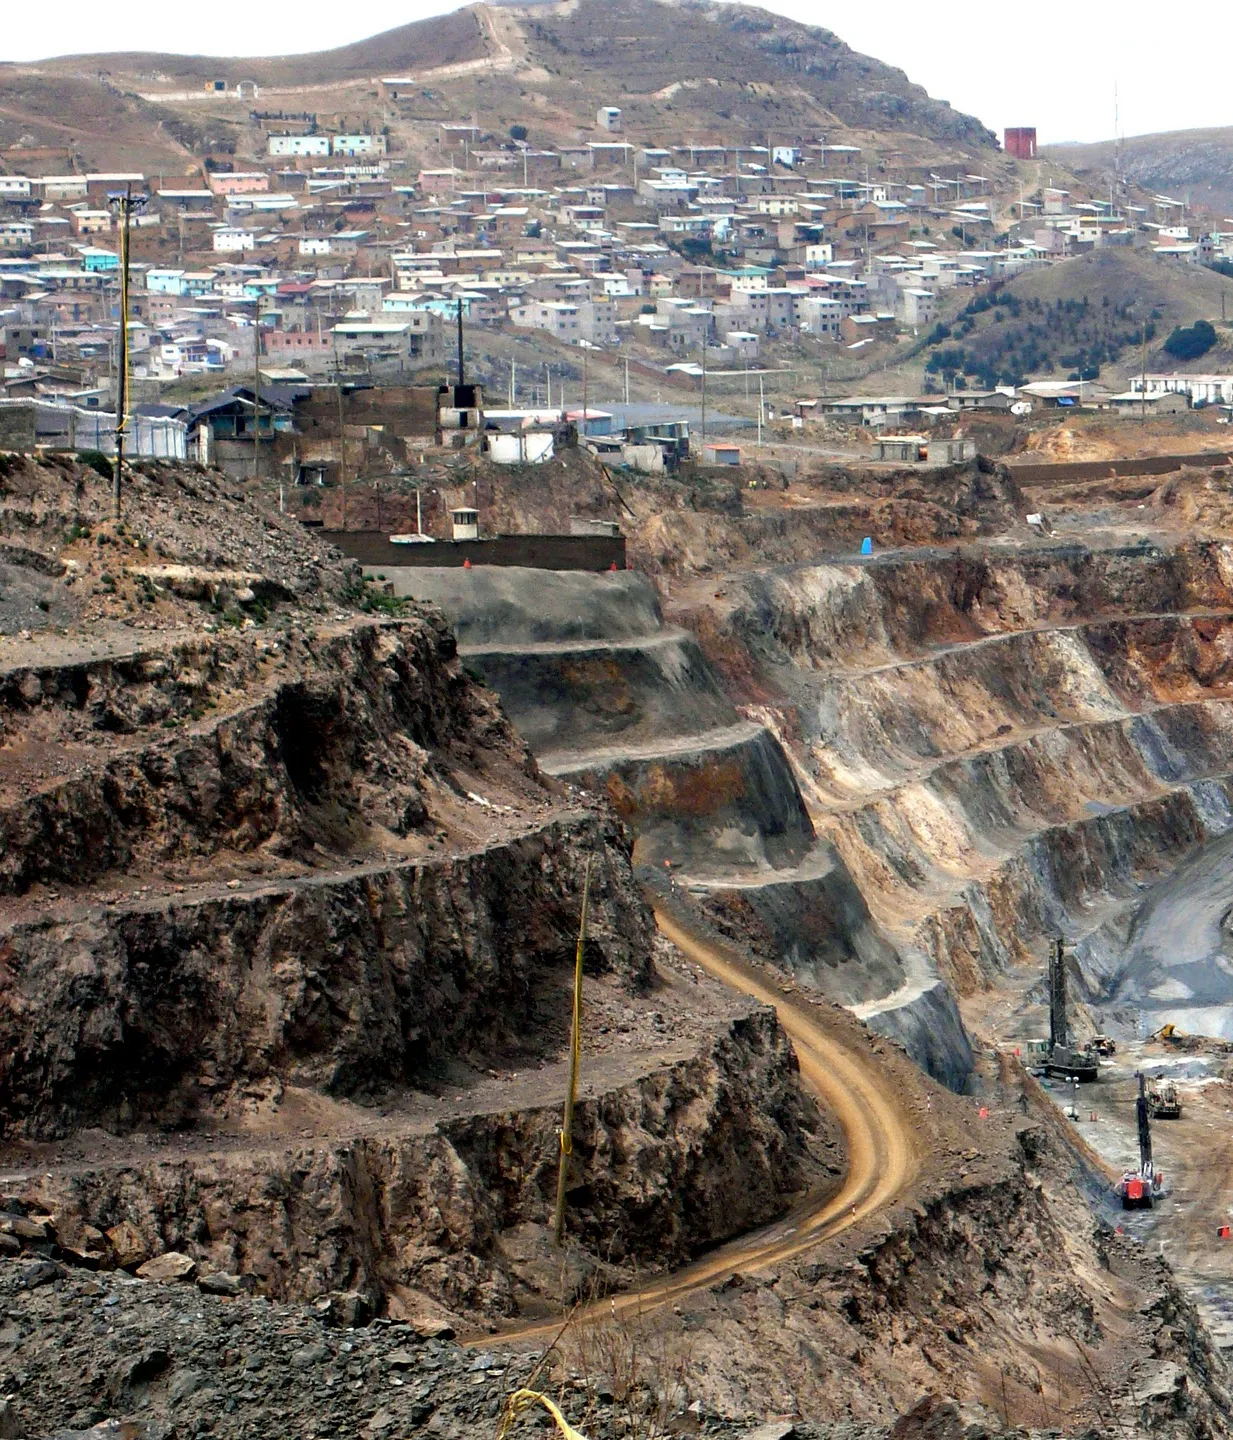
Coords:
pixel 239 182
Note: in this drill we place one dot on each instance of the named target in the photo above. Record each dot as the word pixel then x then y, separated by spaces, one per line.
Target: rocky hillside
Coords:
pixel 719 64
pixel 1195 165
pixel 721 71
pixel 288 916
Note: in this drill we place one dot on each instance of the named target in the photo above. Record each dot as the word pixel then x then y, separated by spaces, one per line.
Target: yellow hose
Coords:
pixel 521 1401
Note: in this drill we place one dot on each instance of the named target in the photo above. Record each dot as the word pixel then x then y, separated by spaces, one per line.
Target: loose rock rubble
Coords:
pixel 117 1358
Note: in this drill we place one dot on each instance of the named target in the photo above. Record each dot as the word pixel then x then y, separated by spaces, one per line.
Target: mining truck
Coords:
pixel 1163 1101
pixel 1065 1058
pixel 1140 1189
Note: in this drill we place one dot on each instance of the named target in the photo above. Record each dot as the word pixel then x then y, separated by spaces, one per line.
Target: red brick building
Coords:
pixel 1020 142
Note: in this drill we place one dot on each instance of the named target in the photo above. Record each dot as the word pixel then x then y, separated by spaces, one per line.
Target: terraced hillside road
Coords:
pixel 883 1159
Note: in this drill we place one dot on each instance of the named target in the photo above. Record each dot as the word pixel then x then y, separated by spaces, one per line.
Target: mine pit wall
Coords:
pixel 819 931
pixel 194 779
pixel 694 1151
pixel 1049 827
pixel 927 1023
pixel 145 1012
pixel 634 712
pixel 816 926
pixel 887 609
pixel 592 697
pixel 494 607
pixel 1041 832
pixel 698 808
pixel 863 732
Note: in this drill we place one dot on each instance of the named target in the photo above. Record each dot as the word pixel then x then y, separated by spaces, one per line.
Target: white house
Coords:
pixel 16 235
pixel 820 315
pixel 918 308
pixel 232 241
pixel 778 205
pixel 554 316
pixel 1206 389
pixel 359 144
pixel 746 343
pixel 298 145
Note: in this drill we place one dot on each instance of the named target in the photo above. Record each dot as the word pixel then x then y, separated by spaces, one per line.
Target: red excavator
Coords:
pixel 1140 1189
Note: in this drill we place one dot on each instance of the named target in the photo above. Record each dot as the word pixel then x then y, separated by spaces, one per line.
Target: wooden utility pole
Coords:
pixel 124 205
pixel 575 1056
pixel 704 389
pixel 342 433
pixel 257 391
pixel 1143 379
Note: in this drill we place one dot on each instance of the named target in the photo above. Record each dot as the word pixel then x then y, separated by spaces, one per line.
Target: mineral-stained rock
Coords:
pixel 24 1228
pixel 430 1329
pixel 128 1245
pixel 168 1266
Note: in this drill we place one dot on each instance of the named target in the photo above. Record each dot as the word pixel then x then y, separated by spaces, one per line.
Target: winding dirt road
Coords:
pixel 882 1155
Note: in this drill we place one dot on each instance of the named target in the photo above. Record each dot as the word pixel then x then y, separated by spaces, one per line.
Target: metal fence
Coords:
pixel 28 424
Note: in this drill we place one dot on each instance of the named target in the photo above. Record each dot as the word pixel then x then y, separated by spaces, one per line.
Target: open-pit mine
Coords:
pixel 292 861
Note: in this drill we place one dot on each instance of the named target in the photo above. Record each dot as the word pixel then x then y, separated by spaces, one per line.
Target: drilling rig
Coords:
pixel 1065 1058
pixel 1140 1189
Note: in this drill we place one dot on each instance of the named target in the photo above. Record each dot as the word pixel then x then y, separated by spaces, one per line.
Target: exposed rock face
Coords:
pixel 690 1152
pixel 994 744
pixel 711 796
pixel 335 744
pixel 288 916
pixel 345 983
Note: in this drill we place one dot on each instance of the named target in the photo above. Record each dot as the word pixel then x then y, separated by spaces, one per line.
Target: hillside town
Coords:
pixel 683 261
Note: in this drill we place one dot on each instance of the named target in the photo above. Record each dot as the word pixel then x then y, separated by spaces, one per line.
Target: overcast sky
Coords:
pixel 1054 69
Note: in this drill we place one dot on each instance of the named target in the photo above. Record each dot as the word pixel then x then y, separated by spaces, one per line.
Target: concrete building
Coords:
pixel 1203 389
pixel 238 182
pixel 233 241
pixel 918 308
pixel 298 145
pixel 359 145
pixel 554 316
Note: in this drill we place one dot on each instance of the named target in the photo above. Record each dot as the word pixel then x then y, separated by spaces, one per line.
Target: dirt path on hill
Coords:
pixel 882 1155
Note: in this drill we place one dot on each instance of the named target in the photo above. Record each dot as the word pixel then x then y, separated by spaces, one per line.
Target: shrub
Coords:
pixel 97 461
pixel 1189 342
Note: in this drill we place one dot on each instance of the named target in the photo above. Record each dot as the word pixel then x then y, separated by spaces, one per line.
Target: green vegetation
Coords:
pixel 1188 342
pixel 97 461
pixel 1000 338
pixel 375 603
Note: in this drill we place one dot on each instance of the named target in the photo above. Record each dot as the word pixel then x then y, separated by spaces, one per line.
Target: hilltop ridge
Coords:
pixel 717 67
